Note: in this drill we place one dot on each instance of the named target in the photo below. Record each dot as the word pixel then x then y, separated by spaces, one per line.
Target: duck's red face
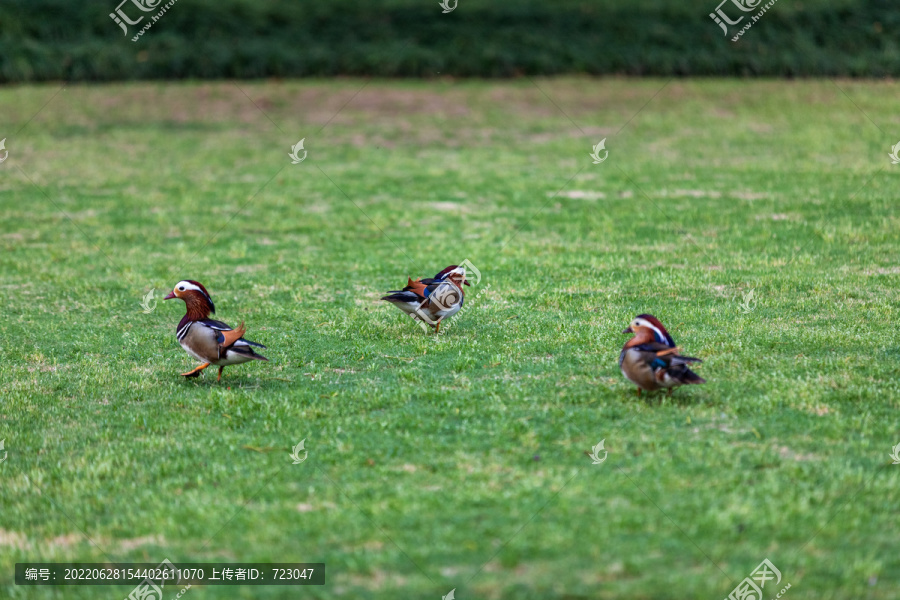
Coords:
pixel 193 293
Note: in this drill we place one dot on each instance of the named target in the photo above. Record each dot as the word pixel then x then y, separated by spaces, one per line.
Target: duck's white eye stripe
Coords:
pixel 186 285
pixel 649 325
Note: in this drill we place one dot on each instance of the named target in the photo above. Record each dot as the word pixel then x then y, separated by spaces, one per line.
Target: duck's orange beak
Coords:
pixel 170 296
pixel 629 330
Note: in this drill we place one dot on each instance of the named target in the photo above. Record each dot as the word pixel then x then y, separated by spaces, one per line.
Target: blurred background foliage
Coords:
pixel 61 39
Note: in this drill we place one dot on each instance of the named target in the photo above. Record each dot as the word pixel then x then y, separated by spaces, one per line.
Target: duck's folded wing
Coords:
pixel 413 292
pixel 230 339
pixel 683 360
pixel 672 357
pixel 217 325
pixel 432 287
pixel 402 296
pixel 225 334
pixel 652 348
pixel 660 356
pixel 666 363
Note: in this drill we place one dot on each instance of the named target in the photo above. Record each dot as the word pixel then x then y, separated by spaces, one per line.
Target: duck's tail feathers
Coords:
pixel 689 377
pixel 242 346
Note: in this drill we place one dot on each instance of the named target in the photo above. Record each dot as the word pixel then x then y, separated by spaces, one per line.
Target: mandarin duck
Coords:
pixel 651 360
pixel 207 340
pixel 432 299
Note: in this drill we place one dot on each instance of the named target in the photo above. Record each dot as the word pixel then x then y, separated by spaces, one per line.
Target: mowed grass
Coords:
pixel 456 460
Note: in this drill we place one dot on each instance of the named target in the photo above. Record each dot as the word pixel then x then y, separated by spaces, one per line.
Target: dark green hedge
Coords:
pixel 72 40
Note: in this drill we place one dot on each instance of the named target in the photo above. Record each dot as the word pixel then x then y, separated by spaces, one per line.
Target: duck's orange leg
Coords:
pixel 219 378
pixel 196 372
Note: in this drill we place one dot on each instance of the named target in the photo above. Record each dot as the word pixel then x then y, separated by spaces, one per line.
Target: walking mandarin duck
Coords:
pixel 209 341
pixel 651 360
pixel 432 299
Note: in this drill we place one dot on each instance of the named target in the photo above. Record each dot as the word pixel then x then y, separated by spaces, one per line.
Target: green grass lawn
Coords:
pixel 456 460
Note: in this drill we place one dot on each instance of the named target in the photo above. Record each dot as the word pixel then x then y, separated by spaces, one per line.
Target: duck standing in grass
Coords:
pixel 209 341
pixel 432 299
pixel 651 360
